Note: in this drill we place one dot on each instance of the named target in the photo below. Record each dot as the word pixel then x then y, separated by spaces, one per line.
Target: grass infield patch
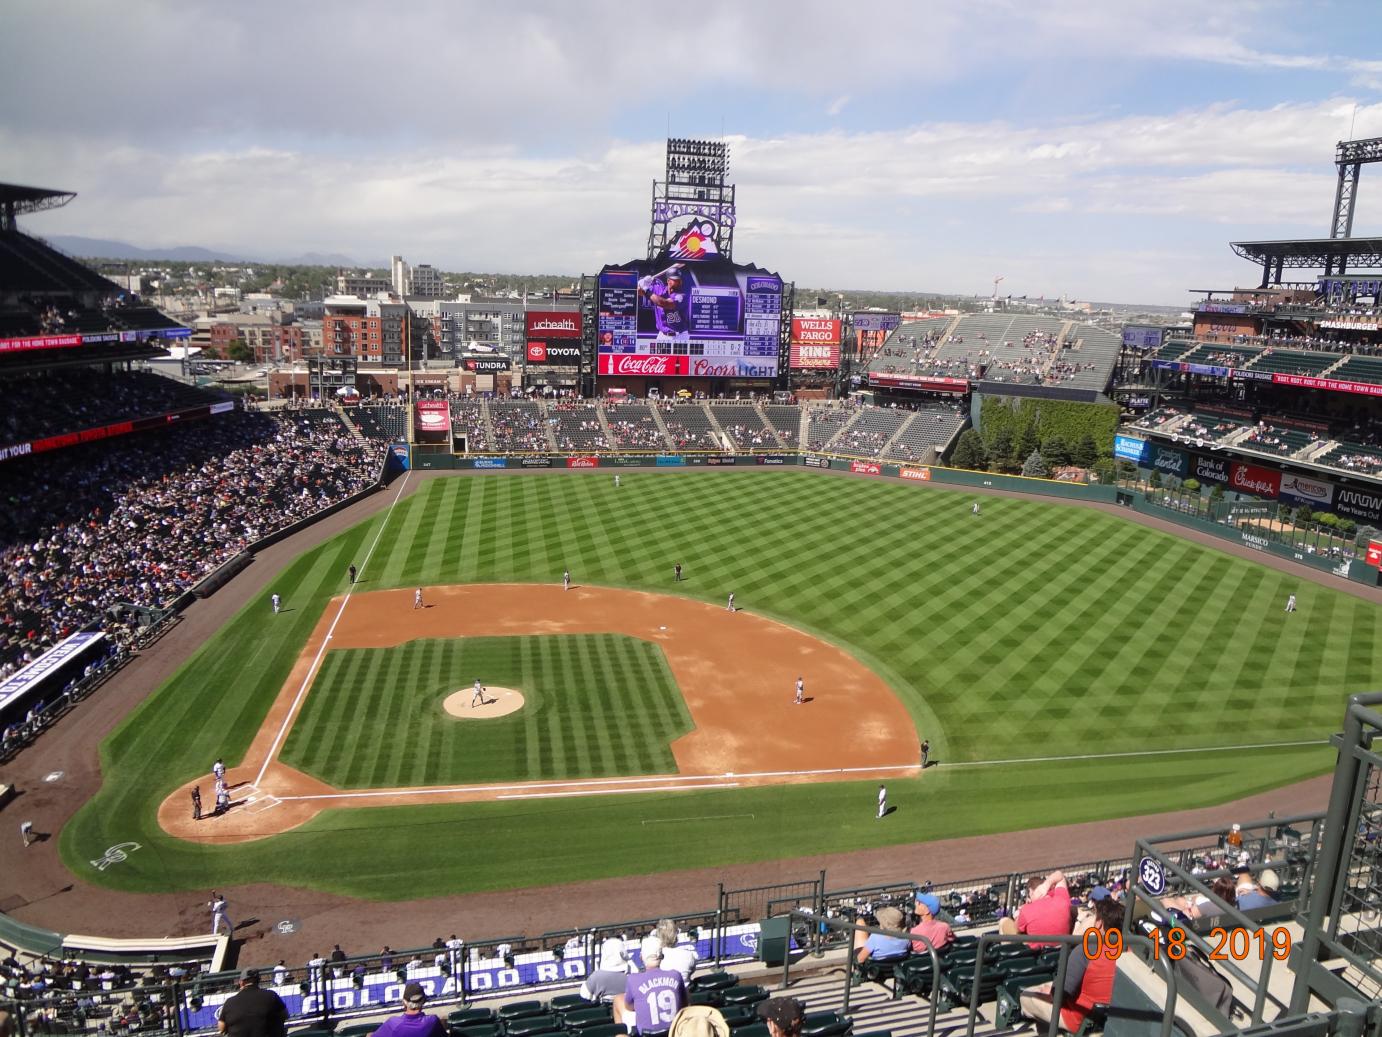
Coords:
pixel 595 705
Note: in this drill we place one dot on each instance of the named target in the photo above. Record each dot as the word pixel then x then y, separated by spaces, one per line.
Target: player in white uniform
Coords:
pixel 729 606
pixel 277 603
pixel 801 690
pixel 478 698
pixel 217 903
pixel 882 801
pixel 566 580
pixel 1291 603
pixel 417 598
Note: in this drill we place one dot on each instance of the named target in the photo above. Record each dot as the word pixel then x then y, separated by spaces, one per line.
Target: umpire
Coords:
pixel 252 1012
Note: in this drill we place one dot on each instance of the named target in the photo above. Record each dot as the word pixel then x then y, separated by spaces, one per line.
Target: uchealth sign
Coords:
pixel 550 324
pixel 809 356
pixel 1249 478
pixel 1299 490
pixel 567 353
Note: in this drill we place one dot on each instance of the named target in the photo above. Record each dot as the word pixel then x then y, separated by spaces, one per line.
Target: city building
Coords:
pixel 362 285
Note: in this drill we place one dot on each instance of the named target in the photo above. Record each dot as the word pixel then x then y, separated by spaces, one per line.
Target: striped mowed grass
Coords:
pixel 595 705
pixel 1035 632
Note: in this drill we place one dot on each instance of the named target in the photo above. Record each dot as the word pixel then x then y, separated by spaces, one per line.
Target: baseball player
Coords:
pixel 417 598
pixel 277 603
pixel 566 580
pixel 676 572
pixel 671 304
pixel 729 607
pixel 801 690
pixel 925 753
pixel 351 572
pixel 218 771
pixel 217 903
pixel 882 801
pixel 616 481
pixel 1290 603
pixel 477 698
pixel 222 800
pixel 26 832
pixel 974 510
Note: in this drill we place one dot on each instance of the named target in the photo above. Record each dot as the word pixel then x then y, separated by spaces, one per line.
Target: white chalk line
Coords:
pixel 326 640
pixel 698 817
pixel 615 792
pixel 1140 752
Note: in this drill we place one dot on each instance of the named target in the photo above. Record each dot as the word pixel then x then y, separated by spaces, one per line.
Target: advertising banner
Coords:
pixel 535 462
pixel 770 459
pixel 568 354
pixel 491 462
pixel 1301 490
pixel 1364 505
pixel 806 357
pixel 663 366
pixel 816 331
pixel 582 462
pixel 433 417
pixel 1375 554
pixel 877 321
pixel 816 462
pixel 1212 469
pixel 919 474
pixel 1248 478
pixel 670 461
pixel 907 381
pixel 717 460
pixel 1171 462
pixel 485 364
pixel 1332 384
pixel 865 468
pixel 31 676
pixel 1130 448
pixel 550 324
pixel 1142 336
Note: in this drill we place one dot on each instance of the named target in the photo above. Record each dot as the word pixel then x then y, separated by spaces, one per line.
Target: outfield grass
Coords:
pixel 373 718
pixel 1033 631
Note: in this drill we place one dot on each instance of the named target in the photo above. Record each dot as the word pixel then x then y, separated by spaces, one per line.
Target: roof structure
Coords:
pixel 16 199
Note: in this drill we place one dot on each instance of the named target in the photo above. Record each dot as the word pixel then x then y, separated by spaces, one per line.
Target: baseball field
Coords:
pixel 1065 665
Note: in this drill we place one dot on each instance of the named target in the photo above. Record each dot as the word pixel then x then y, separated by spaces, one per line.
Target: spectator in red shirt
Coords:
pixel 1088 981
pixel 928 905
pixel 1048 911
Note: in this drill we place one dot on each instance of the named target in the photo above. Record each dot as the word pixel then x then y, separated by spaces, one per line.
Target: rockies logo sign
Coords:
pixel 116 854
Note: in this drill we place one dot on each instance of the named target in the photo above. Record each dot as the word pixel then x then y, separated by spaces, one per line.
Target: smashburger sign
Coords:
pixel 568 353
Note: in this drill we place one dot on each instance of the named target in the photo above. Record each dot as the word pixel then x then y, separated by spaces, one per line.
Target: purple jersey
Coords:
pixel 656 996
pixel 674 321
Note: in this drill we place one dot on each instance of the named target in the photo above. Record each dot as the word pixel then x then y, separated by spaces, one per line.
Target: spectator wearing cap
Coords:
pixel 784 1016
pixel 414 1022
pixel 934 931
pixel 1048 911
pixel 1248 892
pixel 607 982
pixel 884 948
pixel 652 997
pixel 252 1012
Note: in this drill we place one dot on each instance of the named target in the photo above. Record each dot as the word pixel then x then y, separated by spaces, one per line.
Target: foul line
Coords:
pixel 1140 752
pixel 698 817
pixel 311 670
pixel 615 792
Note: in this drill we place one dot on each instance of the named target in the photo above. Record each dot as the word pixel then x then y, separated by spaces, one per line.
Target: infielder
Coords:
pixel 566 580
pixel 26 832
pixel 882 801
pixel 417 598
pixel 277 603
pixel 801 690
pixel 676 573
pixel 478 697
pixel 217 903
pixel 729 607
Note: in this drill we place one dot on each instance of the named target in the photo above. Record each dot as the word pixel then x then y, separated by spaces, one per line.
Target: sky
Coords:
pixel 1101 151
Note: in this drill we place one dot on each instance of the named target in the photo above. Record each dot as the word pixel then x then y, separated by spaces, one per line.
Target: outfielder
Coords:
pixel 1291 603
pixel 566 579
pixel 277 603
pixel 729 606
pixel 882 801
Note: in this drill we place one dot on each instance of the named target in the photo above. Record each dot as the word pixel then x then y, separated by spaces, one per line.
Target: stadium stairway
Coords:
pixel 489 426
pixel 604 424
pixel 1062 337
pixel 898 434
pixel 1333 367
pixel 661 425
pixel 548 428
pixel 777 436
pixel 854 419
pixel 346 420
pixel 719 430
pixel 802 426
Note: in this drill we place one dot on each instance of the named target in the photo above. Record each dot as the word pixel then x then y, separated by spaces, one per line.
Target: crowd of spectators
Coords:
pixel 468 412
pixel 576 425
pixel 140 519
pixel 70 400
pixel 518 426
pixel 632 426
pixel 1029 365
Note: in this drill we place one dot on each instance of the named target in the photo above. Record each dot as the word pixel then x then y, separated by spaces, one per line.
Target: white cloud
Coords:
pixel 836 106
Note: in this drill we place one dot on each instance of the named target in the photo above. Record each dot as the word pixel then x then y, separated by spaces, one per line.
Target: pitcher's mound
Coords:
pixel 499 702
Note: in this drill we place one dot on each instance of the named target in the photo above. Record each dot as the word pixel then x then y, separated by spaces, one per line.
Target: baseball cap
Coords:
pixel 787 1012
pixel 414 992
pixel 1099 893
pixel 249 976
pixel 932 902
pixel 651 947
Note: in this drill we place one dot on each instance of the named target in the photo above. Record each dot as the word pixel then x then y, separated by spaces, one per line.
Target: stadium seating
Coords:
pixel 870 432
pixel 1285 361
pixel 744 426
pixel 518 426
pixel 28 265
pixel 379 422
pixel 786 420
pixel 633 426
pixel 1218 355
pixel 931 430
pixel 1274 439
pixel 689 426
pixel 1086 359
pixel 469 414
pixel 577 425
pixel 1359 369
pixel 1353 457
pixel 823 423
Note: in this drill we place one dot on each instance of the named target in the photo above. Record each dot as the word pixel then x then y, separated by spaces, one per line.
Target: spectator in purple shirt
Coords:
pixel 652 997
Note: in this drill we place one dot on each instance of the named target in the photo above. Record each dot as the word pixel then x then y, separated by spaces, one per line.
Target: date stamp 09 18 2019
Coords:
pixel 1236 944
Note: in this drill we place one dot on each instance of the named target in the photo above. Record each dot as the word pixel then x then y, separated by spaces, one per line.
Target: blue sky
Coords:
pixel 1101 151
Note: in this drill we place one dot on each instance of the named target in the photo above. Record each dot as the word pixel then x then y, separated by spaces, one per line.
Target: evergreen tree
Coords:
pixel 1035 466
pixel 969 451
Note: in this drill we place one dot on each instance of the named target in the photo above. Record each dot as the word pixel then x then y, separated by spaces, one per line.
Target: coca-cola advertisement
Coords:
pixel 643 366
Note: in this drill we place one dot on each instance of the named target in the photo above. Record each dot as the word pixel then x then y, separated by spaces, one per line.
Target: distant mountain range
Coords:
pixel 100 248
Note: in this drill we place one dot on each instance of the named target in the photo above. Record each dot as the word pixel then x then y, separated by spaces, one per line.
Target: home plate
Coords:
pixel 662 628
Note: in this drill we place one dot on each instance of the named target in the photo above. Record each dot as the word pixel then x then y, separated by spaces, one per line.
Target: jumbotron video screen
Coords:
pixel 696 319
